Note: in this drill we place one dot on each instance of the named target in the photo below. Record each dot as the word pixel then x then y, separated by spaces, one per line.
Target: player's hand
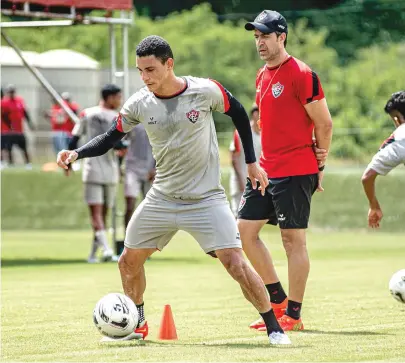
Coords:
pixel 320 178
pixel 374 217
pixel 257 174
pixel 121 152
pixel 320 154
pixel 66 157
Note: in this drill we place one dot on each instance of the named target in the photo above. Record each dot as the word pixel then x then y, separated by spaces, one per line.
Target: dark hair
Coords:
pixel 285 41
pixel 253 110
pixel 109 90
pixel 396 102
pixel 154 45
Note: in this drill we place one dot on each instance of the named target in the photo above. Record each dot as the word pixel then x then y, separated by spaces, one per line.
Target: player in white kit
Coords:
pixel 186 193
pixel 139 168
pixel 237 180
pixel 100 174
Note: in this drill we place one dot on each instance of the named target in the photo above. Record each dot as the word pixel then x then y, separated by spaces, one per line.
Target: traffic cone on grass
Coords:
pixel 167 330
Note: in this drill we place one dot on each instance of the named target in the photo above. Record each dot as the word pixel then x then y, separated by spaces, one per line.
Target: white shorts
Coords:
pixel 134 186
pixel 157 219
pixel 99 194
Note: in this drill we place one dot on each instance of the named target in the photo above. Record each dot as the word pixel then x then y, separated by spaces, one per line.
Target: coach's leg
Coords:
pixel 256 251
pixel 294 241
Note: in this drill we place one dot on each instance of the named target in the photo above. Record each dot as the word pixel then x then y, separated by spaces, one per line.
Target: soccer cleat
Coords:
pixel 288 323
pixel 279 311
pixel 138 334
pixel 142 330
pixel 93 260
pixel 107 255
pixel 279 338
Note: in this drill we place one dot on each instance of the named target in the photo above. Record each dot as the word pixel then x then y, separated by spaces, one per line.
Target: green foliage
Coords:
pixel 206 47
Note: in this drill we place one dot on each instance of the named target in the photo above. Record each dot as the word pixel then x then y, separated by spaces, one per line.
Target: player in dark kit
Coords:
pixel 292 108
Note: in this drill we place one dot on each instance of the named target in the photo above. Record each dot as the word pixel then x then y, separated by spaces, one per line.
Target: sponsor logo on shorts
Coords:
pixel 281 218
pixel 152 121
pixel 242 203
pixel 277 89
pixel 193 116
pixel 238 236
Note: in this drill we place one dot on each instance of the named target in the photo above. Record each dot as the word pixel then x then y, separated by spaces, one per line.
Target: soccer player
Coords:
pixel 390 155
pixel 186 193
pixel 13 113
pixel 292 107
pixel 139 169
pixel 238 177
pixel 100 174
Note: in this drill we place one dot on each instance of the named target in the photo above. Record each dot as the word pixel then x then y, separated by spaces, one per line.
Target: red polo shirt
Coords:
pixel 14 108
pixel 286 127
pixel 60 121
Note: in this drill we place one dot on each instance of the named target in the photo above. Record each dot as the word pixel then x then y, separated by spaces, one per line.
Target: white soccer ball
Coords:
pixel 115 315
pixel 397 286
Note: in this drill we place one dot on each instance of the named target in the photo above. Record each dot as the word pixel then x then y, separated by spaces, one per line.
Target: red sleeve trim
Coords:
pixel 119 123
pixel 236 141
pixel 226 100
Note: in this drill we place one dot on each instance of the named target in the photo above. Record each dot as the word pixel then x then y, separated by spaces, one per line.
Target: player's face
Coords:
pixel 268 45
pixel 153 72
pixel 397 117
pixel 114 101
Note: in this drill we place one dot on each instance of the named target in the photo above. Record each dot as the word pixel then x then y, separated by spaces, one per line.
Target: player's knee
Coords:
pixel 233 262
pixel 247 234
pixel 130 261
pixel 293 241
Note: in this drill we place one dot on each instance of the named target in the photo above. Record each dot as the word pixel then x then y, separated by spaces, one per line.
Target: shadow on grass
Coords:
pixel 349 333
pixel 18 262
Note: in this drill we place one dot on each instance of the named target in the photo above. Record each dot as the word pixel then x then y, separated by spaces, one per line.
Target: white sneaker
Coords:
pixel 93 260
pixel 277 338
pixel 107 255
pixel 28 166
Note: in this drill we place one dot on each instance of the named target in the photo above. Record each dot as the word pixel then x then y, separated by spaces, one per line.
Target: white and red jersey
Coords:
pixel 182 134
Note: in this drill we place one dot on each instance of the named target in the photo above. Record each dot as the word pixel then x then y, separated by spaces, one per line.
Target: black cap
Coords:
pixel 268 21
pixel 10 88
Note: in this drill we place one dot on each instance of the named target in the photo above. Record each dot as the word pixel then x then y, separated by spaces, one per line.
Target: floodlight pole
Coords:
pixel 38 75
pixel 113 54
pixel 125 57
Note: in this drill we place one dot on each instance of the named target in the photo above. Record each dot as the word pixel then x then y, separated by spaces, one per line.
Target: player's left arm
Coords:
pixel 234 109
pixel 312 97
pixel 28 118
pixel 382 163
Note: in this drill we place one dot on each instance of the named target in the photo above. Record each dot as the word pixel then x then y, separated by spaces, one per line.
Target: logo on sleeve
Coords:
pixel 193 116
pixel 277 89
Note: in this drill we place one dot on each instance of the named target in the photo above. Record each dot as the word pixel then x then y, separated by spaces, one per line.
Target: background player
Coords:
pixel 390 155
pixel 186 193
pixel 139 169
pixel 100 174
pixel 13 113
pixel 292 107
pixel 238 176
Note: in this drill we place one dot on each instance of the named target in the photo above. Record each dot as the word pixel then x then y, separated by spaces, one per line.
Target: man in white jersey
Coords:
pixel 237 180
pixel 390 155
pixel 139 168
pixel 100 174
pixel 186 193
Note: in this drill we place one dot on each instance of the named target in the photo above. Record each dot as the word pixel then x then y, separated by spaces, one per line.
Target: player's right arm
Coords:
pixel 126 120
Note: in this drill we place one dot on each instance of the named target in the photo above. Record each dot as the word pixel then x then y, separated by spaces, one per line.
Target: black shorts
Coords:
pixel 8 140
pixel 287 201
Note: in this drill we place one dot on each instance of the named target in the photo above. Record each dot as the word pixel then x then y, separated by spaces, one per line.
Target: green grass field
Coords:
pixel 48 294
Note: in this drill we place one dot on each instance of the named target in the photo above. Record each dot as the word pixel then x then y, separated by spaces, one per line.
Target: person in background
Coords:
pixel 13 113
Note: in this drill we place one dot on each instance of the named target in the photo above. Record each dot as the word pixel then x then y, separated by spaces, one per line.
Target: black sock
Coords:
pixel 140 313
pixel 293 309
pixel 276 292
pixel 271 322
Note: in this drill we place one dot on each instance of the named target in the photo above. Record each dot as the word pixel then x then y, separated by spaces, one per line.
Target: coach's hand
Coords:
pixel 66 157
pixel 320 178
pixel 257 174
pixel 374 217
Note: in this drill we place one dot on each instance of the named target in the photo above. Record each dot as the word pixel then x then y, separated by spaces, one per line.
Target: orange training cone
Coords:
pixel 167 329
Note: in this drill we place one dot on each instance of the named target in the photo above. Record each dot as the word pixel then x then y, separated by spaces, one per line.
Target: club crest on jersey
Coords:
pixel 193 116
pixel 277 89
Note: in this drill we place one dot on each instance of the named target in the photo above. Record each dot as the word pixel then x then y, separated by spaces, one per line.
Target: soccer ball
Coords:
pixel 397 286
pixel 115 315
